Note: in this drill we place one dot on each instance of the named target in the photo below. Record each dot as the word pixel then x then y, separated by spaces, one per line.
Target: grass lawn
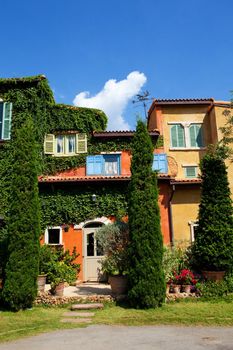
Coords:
pixel 187 312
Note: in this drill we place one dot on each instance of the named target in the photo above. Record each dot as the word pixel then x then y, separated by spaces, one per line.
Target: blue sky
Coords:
pixel 178 49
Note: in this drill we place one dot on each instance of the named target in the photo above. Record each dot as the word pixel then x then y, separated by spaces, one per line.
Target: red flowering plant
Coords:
pixel 186 277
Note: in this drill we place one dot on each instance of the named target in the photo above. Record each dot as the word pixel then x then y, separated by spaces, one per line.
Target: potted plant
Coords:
pixel 174 259
pixel 114 239
pixel 45 257
pixel 187 280
pixel 58 274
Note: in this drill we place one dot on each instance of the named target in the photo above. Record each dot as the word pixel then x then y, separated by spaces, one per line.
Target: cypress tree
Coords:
pixel 146 278
pixel 20 285
pixel 213 245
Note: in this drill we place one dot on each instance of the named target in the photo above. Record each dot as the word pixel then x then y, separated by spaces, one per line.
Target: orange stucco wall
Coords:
pixel 164 196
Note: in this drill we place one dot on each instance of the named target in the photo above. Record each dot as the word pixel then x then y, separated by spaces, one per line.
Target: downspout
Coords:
pixel 170 216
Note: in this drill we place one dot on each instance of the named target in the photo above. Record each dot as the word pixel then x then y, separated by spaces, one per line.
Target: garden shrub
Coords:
pixel 146 277
pixel 213 245
pixel 114 239
pixel 210 290
pixel 20 285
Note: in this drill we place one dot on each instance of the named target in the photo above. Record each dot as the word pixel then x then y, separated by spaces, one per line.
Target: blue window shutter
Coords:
pixel 160 163
pixel 94 165
pixel 155 165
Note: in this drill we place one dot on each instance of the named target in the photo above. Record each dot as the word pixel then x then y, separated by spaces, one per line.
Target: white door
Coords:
pixel 92 255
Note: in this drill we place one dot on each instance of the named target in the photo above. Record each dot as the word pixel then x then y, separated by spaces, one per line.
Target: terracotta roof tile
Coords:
pixel 185 181
pixel 54 178
pixel 82 178
pixel 121 133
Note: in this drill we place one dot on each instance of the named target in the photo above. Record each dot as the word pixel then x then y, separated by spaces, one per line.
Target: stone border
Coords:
pixel 47 299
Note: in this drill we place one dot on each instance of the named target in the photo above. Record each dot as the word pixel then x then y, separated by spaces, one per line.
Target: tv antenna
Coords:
pixel 141 99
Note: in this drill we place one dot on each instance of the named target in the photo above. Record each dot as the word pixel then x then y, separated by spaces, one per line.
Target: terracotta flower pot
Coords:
pixel 119 284
pixel 214 275
pixel 41 280
pixel 176 288
pixel 187 288
pixel 59 289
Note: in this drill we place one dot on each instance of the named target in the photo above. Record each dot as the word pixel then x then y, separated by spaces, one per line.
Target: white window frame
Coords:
pixel 186 126
pixel 46 237
pixel 65 152
pixel 192 224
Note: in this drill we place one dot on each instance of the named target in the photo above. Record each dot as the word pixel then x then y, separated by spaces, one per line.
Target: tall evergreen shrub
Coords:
pixel 213 246
pixel 146 277
pixel 20 287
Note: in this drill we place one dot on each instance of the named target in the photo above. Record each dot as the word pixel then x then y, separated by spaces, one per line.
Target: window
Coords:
pixel 186 135
pixel 65 145
pixel 5 120
pixel 177 136
pixel 195 135
pixel 190 171
pixel 193 228
pixel 103 164
pixel 53 236
pixel 160 163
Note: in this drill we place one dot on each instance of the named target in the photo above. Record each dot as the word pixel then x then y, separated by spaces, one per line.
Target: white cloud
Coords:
pixel 113 98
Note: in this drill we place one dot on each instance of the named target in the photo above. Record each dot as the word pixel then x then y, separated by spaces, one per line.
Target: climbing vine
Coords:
pixel 72 205
pixel 33 97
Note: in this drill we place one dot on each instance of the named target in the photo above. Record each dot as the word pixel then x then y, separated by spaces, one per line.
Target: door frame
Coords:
pixel 104 221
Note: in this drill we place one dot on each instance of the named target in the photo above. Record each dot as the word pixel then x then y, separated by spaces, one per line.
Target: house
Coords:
pixel 85 170
pixel 187 126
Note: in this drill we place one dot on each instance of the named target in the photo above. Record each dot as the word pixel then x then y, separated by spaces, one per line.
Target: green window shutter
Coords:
pixel 6 120
pixel 180 135
pixel 81 143
pixel 174 136
pixel 191 171
pixel 199 136
pixel 49 144
pixel 177 136
pixel 195 134
pixel 1 118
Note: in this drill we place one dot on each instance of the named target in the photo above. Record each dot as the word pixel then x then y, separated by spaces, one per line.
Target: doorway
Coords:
pixel 92 253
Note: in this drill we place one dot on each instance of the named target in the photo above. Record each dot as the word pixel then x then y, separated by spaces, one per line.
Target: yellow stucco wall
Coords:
pixel 221 121
pixel 185 205
pixel 187 114
pixel 186 199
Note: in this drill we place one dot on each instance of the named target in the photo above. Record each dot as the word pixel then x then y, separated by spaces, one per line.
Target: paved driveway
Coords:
pixel 133 338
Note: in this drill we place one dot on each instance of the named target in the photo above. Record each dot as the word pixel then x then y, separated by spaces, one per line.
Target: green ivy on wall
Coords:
pixel 72 204
pixel 33 97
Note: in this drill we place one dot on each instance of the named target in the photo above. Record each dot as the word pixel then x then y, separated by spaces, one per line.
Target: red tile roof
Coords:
pixel 50 178
pixel 125 133
pixel 180 101
pixel 54 178
pixel 185 181
pixel 184 101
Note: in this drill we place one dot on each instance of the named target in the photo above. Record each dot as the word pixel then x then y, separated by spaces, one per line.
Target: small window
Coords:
pixel 190 171
pixel 103 164
pixel 5 120
pixel 53 236
pixel 193 228
pixel 65 145
pixel 177 136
